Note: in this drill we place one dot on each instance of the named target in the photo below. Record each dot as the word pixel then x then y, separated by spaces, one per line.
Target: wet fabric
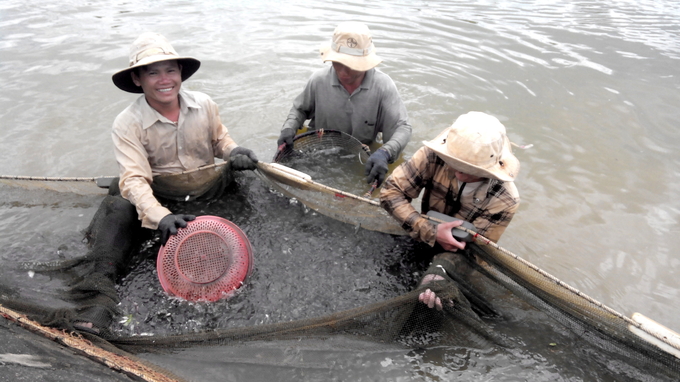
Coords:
pixel 374 107
pixel 490 208
pixel 146 144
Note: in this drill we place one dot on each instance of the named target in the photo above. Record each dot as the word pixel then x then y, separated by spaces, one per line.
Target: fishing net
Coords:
pixel 14 186
pixel 474 314
pixel 205 182
pixel 642 342
pixel 326 164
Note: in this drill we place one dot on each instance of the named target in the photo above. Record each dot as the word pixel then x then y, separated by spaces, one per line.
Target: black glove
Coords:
pixel 376 167
pixel 169 224
pixel 286 137
pixel 242 158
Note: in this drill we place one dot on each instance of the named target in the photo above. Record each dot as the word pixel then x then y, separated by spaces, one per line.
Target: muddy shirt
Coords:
pixel 147 144
pixel 489 208
pixel 375 106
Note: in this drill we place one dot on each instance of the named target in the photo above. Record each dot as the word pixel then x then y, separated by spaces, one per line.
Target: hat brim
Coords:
pixel 123 80
pixel 505 170
pixel 359 63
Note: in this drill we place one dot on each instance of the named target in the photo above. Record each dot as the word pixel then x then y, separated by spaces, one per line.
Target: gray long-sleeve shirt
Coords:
pixel 374 107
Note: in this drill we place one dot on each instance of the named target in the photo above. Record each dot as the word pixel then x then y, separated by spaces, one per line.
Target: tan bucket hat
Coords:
pixel 476 144
pixel 352 46
pixel 149 48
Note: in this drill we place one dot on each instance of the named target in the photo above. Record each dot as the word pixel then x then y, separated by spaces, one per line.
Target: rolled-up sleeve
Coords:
pixel 303 107
pixel 401 188
pixel 394 120
pixel 135 172
pixel 222 143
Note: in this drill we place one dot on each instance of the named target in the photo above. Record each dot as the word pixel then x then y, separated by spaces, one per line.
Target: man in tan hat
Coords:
pixel 166 131
pixel 468 173
pixel 354 97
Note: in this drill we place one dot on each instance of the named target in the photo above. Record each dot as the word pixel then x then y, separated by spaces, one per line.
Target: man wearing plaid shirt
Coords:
pixel 467 172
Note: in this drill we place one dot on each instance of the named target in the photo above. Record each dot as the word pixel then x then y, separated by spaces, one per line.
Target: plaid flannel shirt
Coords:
pixel 489 208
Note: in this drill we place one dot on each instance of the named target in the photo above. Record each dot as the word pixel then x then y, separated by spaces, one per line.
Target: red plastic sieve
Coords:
pixel 205 261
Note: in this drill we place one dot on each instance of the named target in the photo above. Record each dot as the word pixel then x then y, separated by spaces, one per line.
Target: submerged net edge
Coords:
pixel 600 325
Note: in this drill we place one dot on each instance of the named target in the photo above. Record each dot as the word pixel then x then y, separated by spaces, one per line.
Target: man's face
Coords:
pixel 160 81
pixel 465 178
pixel 348 76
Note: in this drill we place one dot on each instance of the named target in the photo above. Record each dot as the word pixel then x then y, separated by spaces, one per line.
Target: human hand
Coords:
pixel 428 297
pixel 286 137
pixel 169 224
pixel 242 158
pixel 376 167
pixel 446 239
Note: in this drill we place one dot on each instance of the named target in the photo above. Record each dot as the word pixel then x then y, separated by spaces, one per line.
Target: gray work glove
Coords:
pixel 242 158
pixel 286 137
pixel 376 167
pixel 169 224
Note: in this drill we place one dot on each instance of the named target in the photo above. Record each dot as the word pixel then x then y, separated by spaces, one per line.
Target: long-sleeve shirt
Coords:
pixel 147 144
pixel 490 207
pixel 372 108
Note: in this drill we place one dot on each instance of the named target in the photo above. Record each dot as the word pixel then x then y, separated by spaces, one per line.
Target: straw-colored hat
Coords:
pixel 352 46
pixel 476 144
pixel 147 49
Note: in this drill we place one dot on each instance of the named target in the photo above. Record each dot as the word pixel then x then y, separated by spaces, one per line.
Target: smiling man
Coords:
pixel 166 131
pixel 354 97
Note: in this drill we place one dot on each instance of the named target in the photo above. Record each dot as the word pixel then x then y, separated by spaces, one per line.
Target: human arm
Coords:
pixel 392 118
pixel 223 145
pixel 405 184
pixel 221 141
pixel 499 207
pixel 303 109
pixel 135 172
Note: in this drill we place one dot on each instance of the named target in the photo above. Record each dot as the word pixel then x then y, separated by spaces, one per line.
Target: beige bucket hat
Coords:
pixel 476 144
pixel 149 48
pixel 352 46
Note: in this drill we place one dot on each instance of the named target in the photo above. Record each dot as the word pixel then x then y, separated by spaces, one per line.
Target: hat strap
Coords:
pixel 457 203
pixel 352 51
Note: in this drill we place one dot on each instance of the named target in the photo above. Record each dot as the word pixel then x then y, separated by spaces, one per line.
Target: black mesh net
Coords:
pixel 493 300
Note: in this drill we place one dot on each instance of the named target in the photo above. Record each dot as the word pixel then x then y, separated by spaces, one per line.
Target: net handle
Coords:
pixel 275 169
pixel 119 361
pixel 101 181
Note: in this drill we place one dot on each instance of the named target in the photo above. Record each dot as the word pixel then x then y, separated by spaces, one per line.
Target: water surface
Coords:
pixel 593 86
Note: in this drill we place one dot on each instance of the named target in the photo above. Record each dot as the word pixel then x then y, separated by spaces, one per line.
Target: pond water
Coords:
pixel 592 86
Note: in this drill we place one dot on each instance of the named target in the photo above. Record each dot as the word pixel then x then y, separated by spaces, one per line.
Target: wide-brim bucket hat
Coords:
pixel 352 46
pixel 477 144
pixel 149 48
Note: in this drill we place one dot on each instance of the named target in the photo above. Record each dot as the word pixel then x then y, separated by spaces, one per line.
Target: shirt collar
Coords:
pixel 151 116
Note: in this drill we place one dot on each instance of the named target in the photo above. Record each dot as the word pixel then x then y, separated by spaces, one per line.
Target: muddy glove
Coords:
pixel 286 137
pixel 242 158
pixel 169 224
pixel 376 167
